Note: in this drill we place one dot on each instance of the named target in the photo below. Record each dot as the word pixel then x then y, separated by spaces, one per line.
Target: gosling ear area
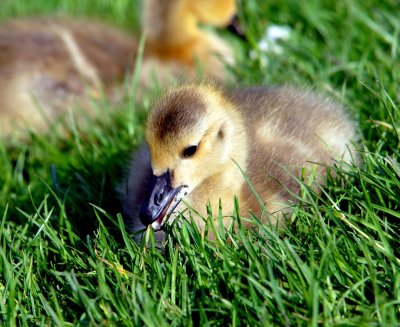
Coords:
pixel 217 133
pixel 225 130
pixel 221 133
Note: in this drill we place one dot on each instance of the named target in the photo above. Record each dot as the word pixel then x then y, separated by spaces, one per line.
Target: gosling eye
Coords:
pixel 189 151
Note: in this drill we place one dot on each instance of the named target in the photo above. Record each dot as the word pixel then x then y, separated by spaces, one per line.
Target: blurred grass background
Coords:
pixel 66 260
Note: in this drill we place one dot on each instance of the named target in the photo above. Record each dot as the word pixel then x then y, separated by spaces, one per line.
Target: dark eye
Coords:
pixel 189 151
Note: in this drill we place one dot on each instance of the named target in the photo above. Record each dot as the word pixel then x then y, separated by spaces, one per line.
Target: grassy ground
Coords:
pixel 66 260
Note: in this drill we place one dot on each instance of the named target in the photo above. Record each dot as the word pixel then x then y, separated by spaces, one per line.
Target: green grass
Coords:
pixel 65 258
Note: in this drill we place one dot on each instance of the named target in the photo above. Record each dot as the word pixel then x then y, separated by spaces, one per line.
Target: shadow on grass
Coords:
pixel 71 175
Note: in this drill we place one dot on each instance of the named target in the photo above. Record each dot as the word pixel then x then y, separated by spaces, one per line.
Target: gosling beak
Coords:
pixel 235 28
pixel 161 200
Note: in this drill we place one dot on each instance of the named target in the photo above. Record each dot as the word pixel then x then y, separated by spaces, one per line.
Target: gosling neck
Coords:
pixel 239 154
pixel 229 173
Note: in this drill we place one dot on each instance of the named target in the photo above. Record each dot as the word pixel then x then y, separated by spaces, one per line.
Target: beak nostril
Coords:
pixel 159 198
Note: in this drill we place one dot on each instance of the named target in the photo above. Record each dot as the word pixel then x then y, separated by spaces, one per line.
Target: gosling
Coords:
pixel 197 137
pixel 48 64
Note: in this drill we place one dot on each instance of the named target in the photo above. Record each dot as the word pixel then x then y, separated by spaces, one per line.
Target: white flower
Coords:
pixel 269 43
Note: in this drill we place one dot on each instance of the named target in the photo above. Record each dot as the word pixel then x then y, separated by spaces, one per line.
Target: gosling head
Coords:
pixel 188 133
pixel 217 13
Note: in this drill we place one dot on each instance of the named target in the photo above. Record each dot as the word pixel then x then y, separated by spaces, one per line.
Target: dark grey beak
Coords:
pixel 235 28
pixel 156 204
